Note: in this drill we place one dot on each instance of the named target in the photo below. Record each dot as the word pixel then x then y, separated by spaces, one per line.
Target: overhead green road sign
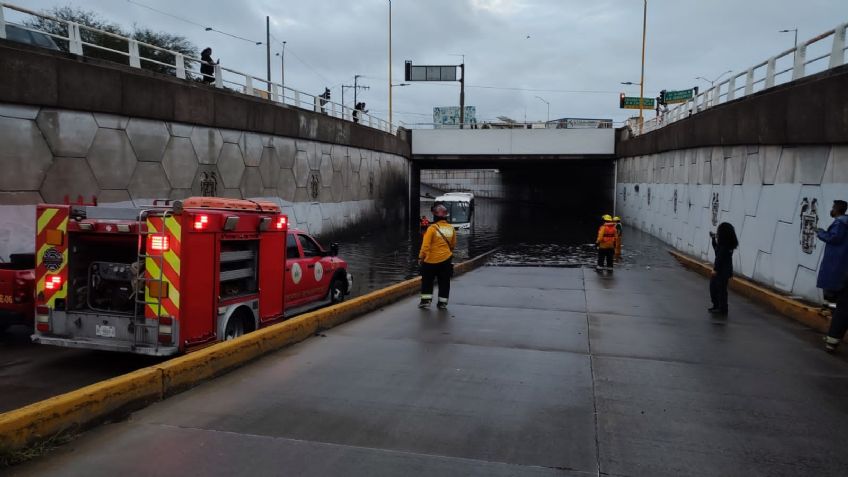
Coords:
pixel 670 97
pixel 632 102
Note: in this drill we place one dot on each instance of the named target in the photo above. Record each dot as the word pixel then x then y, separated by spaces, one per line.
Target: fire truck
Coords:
pixel 169 278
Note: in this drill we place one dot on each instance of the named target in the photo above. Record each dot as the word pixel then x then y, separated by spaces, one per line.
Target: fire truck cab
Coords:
pixel 160 280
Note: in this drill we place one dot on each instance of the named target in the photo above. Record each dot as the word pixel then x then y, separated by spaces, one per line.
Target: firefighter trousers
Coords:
pixel 430 272
pixel 605 255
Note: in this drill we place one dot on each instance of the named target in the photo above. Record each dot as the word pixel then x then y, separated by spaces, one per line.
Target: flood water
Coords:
pixel 524 234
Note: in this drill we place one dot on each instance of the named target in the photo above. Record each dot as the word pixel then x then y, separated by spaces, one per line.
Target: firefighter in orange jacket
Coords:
pixel 606 242
pixel 618 227
pixel 435 258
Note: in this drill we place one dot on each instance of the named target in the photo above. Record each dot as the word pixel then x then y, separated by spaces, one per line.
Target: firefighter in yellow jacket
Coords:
pixel 435 258
pixel 618 227
pixel 606 242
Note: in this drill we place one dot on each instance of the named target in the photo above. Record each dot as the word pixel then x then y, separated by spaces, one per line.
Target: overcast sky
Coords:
pixel 572 53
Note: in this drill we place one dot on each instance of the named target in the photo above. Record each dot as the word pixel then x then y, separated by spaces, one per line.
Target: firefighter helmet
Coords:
pixel 439 211
pixel 607 217
pixel 616 219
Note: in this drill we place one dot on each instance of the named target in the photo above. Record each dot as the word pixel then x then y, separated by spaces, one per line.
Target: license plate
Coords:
pixel 105 331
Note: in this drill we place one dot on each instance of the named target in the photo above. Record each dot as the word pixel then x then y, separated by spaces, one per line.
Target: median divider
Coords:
pixel 816 318
pixel 95 403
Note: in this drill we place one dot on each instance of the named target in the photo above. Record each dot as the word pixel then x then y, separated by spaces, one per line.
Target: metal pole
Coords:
pixel 642 81
pixel 462 96
pixel 283 71
pixel 390 63
pixel 355 89
pixel 268 48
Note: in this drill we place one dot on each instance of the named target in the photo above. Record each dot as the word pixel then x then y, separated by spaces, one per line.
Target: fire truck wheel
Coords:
pixel 337 290
pixel 235 327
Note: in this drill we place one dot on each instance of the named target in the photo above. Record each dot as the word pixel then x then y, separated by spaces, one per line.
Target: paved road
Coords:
pixel 532 371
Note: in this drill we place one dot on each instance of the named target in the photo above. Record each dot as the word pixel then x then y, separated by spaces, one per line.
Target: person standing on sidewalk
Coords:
pixel 435 257
pixel 724 242
pixel 606 242
pixel 618 228
pixel 833 272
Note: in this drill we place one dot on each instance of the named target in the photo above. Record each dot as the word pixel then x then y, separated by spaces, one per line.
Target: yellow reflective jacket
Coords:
pixel 435 248
pixel 607 236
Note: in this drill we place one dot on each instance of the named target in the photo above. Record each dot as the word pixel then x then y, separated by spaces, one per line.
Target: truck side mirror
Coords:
pixel 334 249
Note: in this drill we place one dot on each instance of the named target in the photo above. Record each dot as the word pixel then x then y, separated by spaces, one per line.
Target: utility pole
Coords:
pixel 390 64
pixel 283 71
pixel 462 95
pixel 268 49
pixel 642 81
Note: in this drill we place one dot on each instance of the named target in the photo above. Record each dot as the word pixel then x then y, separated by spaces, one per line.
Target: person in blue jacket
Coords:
pixel 833 272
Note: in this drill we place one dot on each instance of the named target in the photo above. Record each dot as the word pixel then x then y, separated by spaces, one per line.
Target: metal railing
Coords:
pixel 139 54
pixel 786 66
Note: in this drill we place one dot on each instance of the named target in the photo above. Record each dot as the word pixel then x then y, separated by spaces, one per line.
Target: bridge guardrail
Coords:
pixel 789 65
pixel 139 53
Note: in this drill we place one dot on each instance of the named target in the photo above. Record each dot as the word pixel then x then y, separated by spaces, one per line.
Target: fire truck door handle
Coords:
pixel 311 266
pixel 288 269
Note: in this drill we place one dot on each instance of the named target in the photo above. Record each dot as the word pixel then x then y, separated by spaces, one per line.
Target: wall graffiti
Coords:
pixel 809 224
pixel 714 208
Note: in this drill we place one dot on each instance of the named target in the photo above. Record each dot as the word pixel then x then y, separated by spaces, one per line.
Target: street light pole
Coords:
pixel 549 107
pixel 283 71
pixel 795 30
pixel 642 81
pixel 390 64
pixel 267 49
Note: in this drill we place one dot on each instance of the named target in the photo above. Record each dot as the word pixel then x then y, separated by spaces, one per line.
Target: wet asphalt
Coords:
pixel 531 371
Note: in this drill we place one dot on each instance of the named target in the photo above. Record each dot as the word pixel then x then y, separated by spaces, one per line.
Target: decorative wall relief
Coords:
pixel 715 206
pixel 674 201
pixel 809 224
pixel 208 184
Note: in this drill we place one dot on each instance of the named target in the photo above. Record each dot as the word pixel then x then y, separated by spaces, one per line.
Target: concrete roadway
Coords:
pixel 532 371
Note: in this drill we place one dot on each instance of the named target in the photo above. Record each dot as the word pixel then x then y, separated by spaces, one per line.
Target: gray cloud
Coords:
pixel 573 45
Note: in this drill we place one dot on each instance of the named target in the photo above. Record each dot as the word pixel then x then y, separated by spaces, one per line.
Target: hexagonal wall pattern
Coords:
pixel 251 148
pixel 286 185
pixel 251 183
pixel 285 149
pixel 112 158
pixel 207 144
pixel 231 165
pixel 69 133
pixel 24 155
pixel 180 163
pixel 149 182
pixel 71 177
pixel 269 167
pixel 148 138
pixel 301 169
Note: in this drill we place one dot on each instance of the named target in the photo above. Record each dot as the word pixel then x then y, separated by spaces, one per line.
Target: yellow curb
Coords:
pixel 70 411
pixel 813 317
pixel 92 404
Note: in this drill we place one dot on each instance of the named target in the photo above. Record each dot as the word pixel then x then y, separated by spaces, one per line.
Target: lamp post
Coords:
pixel 642 80
pixel 549 108
pixel 713 82
pixel 390 64
pixel 282 56
pixel 795 30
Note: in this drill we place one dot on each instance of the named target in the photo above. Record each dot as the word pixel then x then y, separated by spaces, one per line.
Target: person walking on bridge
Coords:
pixel 207 65
pixel 724 242
pixel 436 257
pixel 833 272
pixel 606 242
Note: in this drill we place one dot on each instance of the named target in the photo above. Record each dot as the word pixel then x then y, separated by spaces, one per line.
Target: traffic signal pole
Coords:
pixel 462 96
pixel 642 81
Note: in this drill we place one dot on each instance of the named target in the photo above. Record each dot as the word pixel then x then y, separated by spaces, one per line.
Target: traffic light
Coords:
pixel 621 100
pixel 327 94
pixel 661 98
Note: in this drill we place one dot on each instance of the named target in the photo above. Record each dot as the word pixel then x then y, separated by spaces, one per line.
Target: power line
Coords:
pixel 301 60
pixel 191 22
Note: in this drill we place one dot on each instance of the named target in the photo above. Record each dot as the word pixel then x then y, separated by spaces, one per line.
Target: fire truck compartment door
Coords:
pixel 271 282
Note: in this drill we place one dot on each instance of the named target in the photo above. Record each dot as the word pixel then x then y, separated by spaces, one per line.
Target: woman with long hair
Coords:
pixel 724 242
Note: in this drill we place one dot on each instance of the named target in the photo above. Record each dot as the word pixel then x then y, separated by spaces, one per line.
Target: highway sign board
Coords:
pixel 632 102
pixel 670 97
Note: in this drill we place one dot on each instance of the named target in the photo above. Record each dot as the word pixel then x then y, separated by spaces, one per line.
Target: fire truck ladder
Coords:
pixel 139 316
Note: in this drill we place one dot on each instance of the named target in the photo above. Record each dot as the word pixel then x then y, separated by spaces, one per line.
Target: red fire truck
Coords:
pixel 169 278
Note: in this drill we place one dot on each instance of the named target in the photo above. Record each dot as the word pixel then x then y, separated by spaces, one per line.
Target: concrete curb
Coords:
pixel 92 404
pixel 810 316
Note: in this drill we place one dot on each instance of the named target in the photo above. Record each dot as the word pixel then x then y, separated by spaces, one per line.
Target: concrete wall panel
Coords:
pixel 24 155
pixel 231 164
pixel 207 144
pixel 148 138
pixel 68 133
pixel 112 158
pixel 71 177
pixel 180 162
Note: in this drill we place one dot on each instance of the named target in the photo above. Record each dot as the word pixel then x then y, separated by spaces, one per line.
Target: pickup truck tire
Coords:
pixel 337 290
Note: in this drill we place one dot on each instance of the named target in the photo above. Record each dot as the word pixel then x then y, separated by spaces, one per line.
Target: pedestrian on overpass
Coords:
pixel 436 258
pixel 833 272
pixel 618 227
pixel 207 65
pixel 724 242
pixel 607 241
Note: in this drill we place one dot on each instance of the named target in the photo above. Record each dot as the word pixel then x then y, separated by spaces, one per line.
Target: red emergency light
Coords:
pixel 159 243
pixel 201 222
pixel 281 222
pixel 53 282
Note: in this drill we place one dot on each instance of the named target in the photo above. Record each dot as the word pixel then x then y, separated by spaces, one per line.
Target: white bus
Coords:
pixel 460 207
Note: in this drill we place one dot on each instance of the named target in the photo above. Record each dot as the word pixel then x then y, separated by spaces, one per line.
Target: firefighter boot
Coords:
pixel 830 343
pixel 424 303
pixel 442 304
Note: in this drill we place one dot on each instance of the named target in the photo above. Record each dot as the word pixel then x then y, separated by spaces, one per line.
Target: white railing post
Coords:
pixel 179 62
pixel 370 121
pixel 135 61
pixel 297 99
pixel 219 77
pixel 275 94
pixel 74 39
pixel 800 60
pixel 333 109
pixel 837 53
pixel 731 88
pixel 749 82
pixel 2 24
pixel 248 85
pixel 770 72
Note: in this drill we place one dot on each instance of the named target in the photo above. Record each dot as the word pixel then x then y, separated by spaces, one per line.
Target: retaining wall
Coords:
pixel 775 197
pixel 482 183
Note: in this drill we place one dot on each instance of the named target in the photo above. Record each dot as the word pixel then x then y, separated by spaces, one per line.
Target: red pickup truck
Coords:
pixel 17 285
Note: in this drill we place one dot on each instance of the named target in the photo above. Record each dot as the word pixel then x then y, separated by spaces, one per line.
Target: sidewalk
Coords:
pixel 532 371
